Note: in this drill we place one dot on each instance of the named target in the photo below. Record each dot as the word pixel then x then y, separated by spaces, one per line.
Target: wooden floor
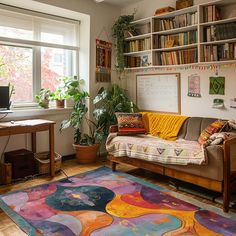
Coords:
pixel 9 228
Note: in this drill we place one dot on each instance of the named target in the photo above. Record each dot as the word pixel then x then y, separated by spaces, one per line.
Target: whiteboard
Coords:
pixel 159 92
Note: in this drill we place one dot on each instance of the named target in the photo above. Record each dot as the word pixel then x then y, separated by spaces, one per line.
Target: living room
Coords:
pixel 164 70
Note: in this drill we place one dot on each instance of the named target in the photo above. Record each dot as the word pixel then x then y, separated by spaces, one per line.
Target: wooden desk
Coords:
pixel 32 126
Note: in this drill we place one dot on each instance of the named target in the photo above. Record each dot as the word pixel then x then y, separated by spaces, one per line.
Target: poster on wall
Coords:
pixel 217 85
pixel 194 86
pixel 103 61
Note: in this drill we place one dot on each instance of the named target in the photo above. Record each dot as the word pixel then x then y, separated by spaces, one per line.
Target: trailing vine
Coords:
pixel 121 25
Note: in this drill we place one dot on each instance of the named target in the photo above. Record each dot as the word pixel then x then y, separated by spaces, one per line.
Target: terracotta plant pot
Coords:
pixel 86 154
pixel 60 103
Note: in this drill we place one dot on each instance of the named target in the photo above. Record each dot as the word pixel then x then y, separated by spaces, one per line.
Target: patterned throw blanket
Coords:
pixel 149 148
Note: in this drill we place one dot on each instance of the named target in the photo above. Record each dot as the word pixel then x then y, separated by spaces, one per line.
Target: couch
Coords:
pixel 219 174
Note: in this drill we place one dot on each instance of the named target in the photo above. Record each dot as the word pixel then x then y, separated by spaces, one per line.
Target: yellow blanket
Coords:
pixel 164 126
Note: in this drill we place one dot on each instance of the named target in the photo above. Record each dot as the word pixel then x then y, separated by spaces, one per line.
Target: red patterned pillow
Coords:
pixel 215 127
pixel 130 124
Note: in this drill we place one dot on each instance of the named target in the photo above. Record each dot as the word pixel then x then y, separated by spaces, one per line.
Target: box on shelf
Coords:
pixel 180 4
pixel 43 162
pixel 164 10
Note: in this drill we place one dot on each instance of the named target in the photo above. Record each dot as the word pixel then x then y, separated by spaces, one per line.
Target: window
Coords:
pixel 36 50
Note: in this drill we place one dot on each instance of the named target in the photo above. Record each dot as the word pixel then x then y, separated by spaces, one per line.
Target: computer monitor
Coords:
pixel 4 98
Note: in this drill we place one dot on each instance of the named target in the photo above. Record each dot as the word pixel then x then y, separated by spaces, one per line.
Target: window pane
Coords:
pixel 56 63
pixel 16 68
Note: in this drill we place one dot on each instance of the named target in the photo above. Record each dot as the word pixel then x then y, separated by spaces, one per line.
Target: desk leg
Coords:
pixel 33 142
pixel 51 149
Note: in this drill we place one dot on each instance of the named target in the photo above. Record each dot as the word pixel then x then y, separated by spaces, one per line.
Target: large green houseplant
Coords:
pixel 109 101
pixel 85 144
pixel 122 24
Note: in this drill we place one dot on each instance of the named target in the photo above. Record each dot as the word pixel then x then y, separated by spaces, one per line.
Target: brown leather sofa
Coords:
pixel 218 175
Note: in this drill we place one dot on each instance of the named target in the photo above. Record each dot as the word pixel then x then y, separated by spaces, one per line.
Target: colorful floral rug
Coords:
pixel 103 203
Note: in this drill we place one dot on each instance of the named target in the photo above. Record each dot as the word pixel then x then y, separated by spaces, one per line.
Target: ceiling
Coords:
pixel 120 3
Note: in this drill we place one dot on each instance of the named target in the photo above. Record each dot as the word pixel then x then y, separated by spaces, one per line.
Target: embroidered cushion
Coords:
pixel 130 124
pixel 215 127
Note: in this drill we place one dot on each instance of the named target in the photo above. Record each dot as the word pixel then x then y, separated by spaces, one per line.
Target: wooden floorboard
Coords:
pixel 70 167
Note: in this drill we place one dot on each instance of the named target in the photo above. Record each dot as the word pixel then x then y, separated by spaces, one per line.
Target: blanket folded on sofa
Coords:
pixel 164 126
pixel 149 148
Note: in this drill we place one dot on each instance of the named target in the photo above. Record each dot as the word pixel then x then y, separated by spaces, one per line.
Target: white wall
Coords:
pixel 190 106
pixel 94 19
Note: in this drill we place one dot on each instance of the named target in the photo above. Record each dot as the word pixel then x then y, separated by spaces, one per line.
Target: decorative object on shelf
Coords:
pixel 103 61
pixel 164 10
pixel 122 24
pixel 43 98
pixel 217 85
pixel 218 103
pixel 194 86
pixel 77 116
pixel 233 103
pixel 180 4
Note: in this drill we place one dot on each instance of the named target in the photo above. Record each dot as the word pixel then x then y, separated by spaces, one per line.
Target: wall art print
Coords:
pixel 194 86
pixel 217 85
pixel 103 61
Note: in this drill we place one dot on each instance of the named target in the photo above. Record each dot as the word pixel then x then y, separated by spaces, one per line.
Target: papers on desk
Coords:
pixel 24 123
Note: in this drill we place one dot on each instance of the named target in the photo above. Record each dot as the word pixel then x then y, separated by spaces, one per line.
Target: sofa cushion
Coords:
pixel 130 123
pixel 209 130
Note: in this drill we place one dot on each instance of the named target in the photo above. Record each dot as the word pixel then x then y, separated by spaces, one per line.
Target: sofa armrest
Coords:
pixel 113 129
pixel 230 153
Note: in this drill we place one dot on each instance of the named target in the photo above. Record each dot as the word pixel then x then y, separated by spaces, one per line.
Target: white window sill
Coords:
pixel 35 112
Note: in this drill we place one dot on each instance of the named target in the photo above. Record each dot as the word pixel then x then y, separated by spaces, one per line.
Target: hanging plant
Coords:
pixel 122 24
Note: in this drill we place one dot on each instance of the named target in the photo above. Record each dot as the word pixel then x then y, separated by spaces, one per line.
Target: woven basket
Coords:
pixel 43 162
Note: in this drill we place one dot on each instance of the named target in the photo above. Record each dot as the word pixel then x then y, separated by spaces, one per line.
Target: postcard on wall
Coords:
pixel 103 61
pixel 217 85
pixel 194 86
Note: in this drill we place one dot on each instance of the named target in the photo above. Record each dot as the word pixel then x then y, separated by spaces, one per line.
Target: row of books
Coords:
pixel 179 21
pixel 138 45
pixel 211 13
pixel 179 57
pixel 220 32
pixel 139 61
pixel 180 39
pixel 222 52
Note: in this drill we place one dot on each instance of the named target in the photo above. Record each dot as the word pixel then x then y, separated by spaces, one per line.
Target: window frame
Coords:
pixel 36 46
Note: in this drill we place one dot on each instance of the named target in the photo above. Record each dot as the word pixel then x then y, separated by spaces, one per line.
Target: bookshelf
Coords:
pixel 201 34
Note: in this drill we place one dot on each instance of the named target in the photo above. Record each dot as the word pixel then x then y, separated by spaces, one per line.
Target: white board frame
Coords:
pixel 177 109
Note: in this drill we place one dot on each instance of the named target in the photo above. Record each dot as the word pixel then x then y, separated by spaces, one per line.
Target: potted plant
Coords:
pixel 118 30
pixel 59 96
pixel 108 102
pixel 43 98
pixel 85 144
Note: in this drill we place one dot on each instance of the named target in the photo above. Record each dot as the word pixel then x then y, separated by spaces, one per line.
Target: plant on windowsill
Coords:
pixel 122 24
pixel 43 98
pixel 85 144
pixel 59 96
pixel 109 101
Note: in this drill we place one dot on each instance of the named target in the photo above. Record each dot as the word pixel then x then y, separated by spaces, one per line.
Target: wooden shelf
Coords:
pixel 142 36
pixel 155 36
pixel 176 30
pixel 177 12
pixel 176 48
pixel 219 42
pixel 138 52
pixel 224 21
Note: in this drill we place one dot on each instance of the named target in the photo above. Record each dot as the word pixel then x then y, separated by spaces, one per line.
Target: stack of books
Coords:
pixel 220 32
pixel 139 61
pixel 138 45
pixel 211 13
pixel 222 52
pixel 180 39
pixel 179 57
pixel 179 21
